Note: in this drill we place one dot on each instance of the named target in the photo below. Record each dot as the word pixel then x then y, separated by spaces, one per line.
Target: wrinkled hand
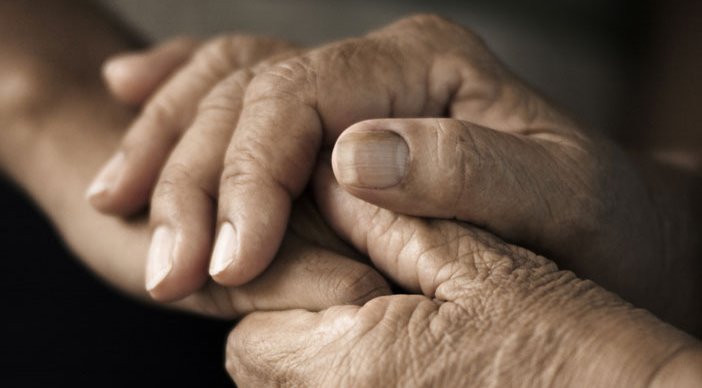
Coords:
pixel 174 81
pixel 74 127
pixel 505 160
pixel 489 314
pixel 170 80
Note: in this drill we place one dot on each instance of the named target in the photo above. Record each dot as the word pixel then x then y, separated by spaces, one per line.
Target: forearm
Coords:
pixel 59 124
pixel 52 53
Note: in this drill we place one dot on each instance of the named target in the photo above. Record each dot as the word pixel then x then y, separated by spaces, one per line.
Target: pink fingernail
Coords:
pixel 224 250
pixel 160 260
pixel 107 177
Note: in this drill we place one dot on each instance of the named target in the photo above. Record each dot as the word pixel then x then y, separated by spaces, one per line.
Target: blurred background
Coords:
pixel 598 58
pixel 575 51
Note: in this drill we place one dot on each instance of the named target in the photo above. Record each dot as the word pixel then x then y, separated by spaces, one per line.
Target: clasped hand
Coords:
pixel 439 155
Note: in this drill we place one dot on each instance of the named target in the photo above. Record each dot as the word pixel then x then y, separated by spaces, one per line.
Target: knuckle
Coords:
pixel 228 52
pixel 282 80
pixel 233 177
pixel 434 24
pixel 249 165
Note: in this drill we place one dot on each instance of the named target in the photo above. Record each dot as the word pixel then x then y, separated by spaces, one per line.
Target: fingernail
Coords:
pixel 160 260
pixel 224 250
pixel 106 177
pixel 371 159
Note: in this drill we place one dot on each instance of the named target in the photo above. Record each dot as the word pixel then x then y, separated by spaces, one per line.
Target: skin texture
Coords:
pixel 187 185
pixel 43 118
pixel 59 125
pixel 487 314
pixel 505 160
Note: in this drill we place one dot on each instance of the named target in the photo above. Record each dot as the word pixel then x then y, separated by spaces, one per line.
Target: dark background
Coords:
pixel 62 327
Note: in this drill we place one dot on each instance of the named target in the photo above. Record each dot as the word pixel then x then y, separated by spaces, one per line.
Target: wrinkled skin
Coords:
pixel 505 160
pixel 58 125
pixel 488 314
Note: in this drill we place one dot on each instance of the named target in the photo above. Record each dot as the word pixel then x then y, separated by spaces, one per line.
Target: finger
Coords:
pixel 309 345
pixel 516 186
pixel 419 254
pixel 124 184
pixel 182 207
pixel 292 332
pixel 133 77
pixel 285 117
pixel 303 276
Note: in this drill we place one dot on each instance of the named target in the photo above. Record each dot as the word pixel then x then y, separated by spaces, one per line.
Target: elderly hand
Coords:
pixel 171 80
pixel 506 160
pixel 489 314
pixel 69 127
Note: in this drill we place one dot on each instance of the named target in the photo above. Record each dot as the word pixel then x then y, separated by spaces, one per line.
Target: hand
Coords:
pixel 124 184
pixel 581 201
pixel 68 126
pixel 177 262
pixel 489 314
pixel 506 161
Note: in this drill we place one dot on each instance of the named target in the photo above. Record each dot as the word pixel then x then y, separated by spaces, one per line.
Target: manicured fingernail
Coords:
pixel 371 159
pixel 106 177
pixel 160 260
pixel 224 250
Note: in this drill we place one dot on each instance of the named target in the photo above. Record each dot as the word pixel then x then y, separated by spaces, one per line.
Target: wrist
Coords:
pixel 605 342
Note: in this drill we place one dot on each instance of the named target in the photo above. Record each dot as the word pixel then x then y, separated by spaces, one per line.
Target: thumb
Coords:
pixel 417 254
pixel 265 347
pixel 513 185
pixel 310 349
pixel 133 77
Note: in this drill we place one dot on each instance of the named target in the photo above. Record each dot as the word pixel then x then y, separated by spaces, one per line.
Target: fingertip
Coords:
pixel 159 262
pixel 119 188
pixel 133 77
pixel 224 252
pixel 230 266
pixel 240 256
pixel 124 80
pixel 253 221
pixel 181 210
pixel 100 191
pixel 174 267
